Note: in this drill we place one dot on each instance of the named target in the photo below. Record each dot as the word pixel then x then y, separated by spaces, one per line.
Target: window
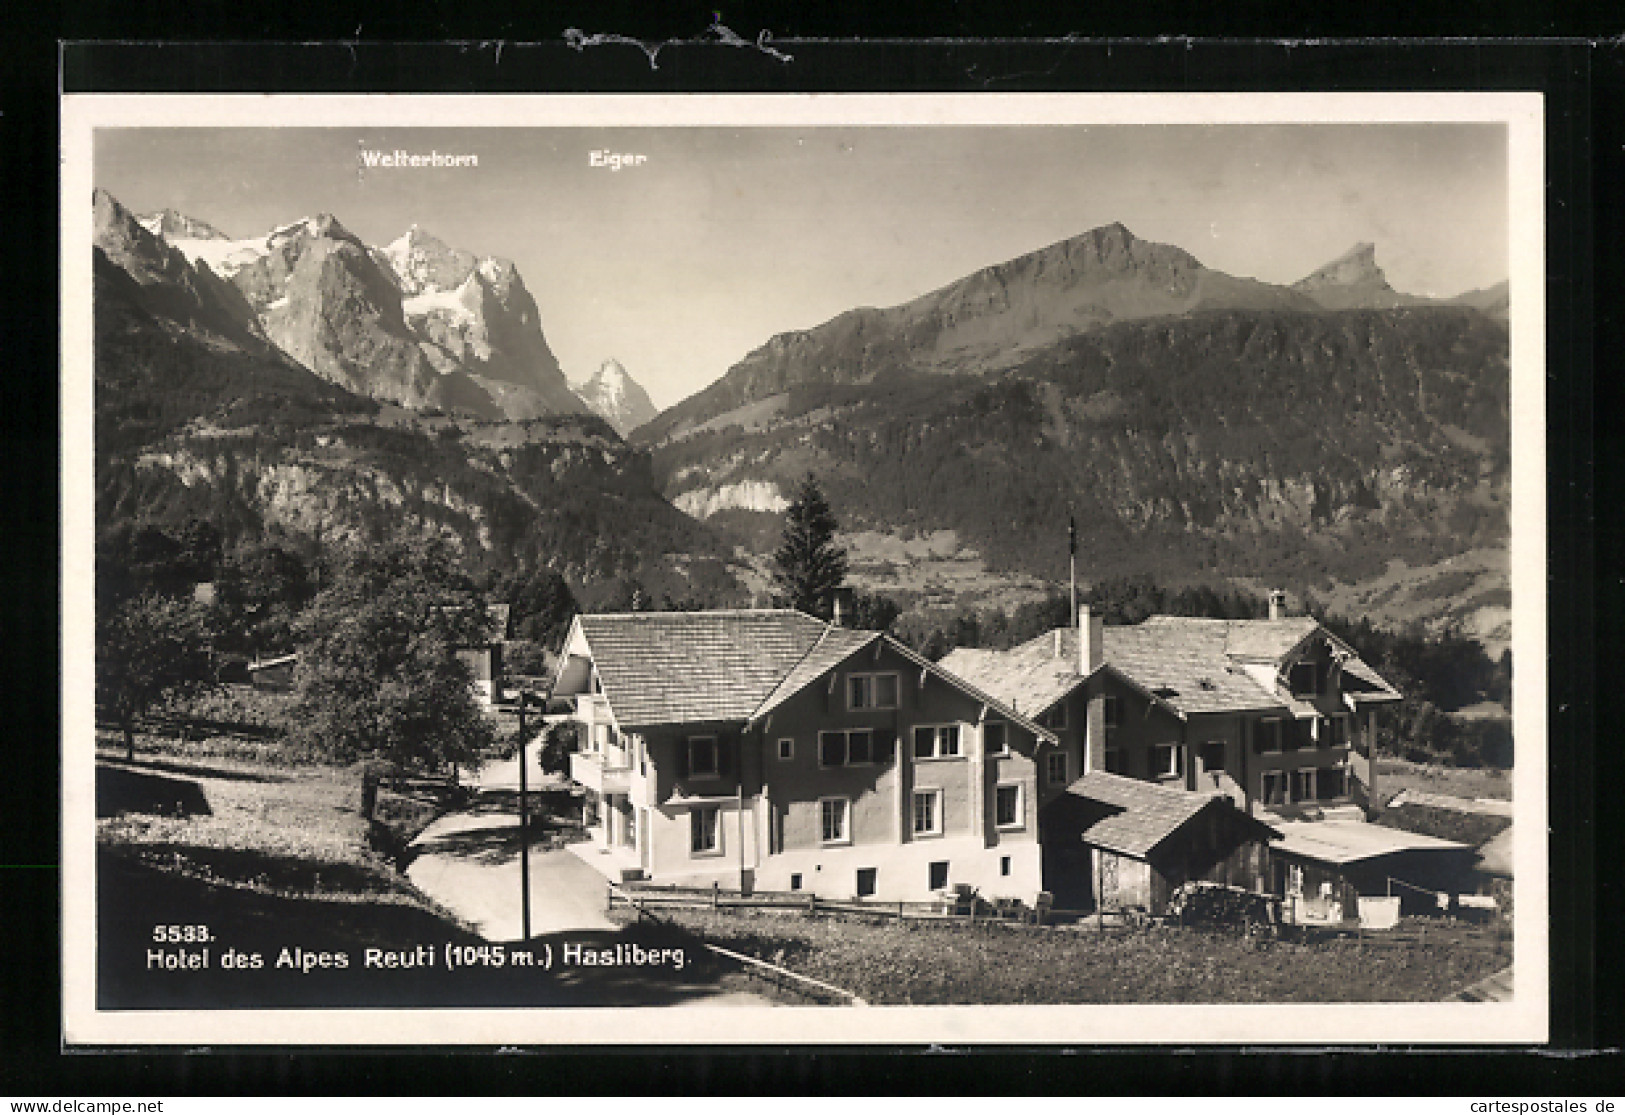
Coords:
pixel 705 830
pixel 1294 879
pixel 1213 755
pixel 1007 807
pixel 1165 760
pixel 927 812
pixel 702 756
pixel 866 882
pixel 1004 865
pixel 996 738
pixel 1331 784
pixel 833 813
pixel 1056 717
pixel 937 875
pixel 860 747
pixel 1303 785
pixel 1055 768
pixel 871 691
pixel 1267 736
pixel 1334 731
pixel 795 881
pixel 787 749
pixel 1273 790
pixel 1304 679
pixel 857 747
pixel 1114 758
pixel 1110 711
pixel 936 741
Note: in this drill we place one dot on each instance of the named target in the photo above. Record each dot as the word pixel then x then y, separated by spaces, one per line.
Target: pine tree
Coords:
pixel 809 566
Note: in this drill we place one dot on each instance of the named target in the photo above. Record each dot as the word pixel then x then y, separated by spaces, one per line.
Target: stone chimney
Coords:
pixel 1277 604
pixel 1091 640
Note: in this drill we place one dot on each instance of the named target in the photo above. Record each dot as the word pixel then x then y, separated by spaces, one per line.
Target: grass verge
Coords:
pixel 922 963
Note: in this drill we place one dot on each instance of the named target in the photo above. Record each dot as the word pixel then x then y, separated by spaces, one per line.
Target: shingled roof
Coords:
pixel 1193 665
pixel 834 646
pixel 1029 679
pixel 1142 814
pixel 698 667
pixel 685 667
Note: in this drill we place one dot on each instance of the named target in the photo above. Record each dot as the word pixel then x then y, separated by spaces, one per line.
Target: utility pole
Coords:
pixel 524 824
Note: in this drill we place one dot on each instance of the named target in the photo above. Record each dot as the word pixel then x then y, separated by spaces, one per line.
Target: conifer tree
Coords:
pixel 808 565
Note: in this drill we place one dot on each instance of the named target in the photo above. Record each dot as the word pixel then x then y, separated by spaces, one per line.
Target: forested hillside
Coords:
pixel 1252 443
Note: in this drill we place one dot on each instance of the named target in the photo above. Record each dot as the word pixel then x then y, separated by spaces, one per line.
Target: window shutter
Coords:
pixel 885 745
pixel 682 758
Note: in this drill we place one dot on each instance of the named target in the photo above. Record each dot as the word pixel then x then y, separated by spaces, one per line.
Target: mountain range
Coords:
pixel 300 385
pixel 1195 423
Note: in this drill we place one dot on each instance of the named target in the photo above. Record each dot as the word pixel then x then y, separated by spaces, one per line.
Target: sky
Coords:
pixel 722 237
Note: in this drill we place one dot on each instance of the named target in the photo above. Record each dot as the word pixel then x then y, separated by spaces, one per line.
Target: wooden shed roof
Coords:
pixel 1139 815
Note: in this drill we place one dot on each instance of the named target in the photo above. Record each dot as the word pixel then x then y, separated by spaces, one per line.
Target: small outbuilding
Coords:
pixel 1114 842
pixel 1333 863
pixel 275 674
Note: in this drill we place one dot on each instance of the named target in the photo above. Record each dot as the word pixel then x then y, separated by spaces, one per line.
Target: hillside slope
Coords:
pixel 1231 443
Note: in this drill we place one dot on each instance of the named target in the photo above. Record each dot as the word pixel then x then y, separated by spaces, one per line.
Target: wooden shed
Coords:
pixel 1316 861
pixel 1119 843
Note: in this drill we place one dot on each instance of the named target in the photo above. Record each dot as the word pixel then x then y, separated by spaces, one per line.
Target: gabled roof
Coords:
pixel 834 646
pixel 1193 665
pixel 1143 814
pixel 684 667
pixel 1253 640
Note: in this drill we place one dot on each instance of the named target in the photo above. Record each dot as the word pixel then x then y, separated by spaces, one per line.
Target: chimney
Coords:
pixel 1277 604
pixel 1091 640
pixel 842 606
pixel 1057 638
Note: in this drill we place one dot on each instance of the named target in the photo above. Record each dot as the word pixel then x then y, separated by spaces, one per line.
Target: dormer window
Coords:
pixel 1306 679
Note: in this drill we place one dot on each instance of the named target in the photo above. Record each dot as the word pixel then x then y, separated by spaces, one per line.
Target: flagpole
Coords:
pixel 1072 547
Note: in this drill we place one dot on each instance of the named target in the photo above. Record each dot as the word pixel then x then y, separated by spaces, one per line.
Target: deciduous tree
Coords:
pixel 378 673
pixel 148 649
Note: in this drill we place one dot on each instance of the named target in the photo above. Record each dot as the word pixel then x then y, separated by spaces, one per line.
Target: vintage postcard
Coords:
pixel 1007 569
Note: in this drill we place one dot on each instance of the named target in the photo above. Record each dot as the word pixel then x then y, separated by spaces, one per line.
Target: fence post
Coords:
pixel 609 897
pixel 714 894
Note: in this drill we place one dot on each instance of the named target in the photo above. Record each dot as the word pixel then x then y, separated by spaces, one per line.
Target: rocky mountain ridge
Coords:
pixel 990 320
pixel 201 414
pixel 416 323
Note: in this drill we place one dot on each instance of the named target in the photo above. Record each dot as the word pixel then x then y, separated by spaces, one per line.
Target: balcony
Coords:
pixel 604 773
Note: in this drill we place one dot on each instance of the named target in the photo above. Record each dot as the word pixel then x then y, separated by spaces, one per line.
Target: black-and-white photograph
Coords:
pixel 1012 562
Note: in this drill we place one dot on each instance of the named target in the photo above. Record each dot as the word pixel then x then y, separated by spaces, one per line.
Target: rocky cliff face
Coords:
pixel 476 315
pixel 416 323
pixel 616 397
pixel 174 226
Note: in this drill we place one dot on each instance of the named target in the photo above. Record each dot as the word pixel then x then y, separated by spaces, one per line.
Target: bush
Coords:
pixel 1212 904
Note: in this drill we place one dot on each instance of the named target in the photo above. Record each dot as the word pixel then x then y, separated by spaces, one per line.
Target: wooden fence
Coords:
pixel 970 910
